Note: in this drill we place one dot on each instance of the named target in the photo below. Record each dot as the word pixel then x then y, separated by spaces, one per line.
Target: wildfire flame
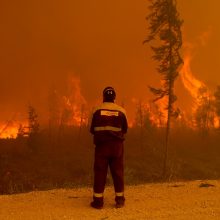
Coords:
pixel 198 89
pixel 192 84
pixel 10 132
pixel 73 107
pixel 156 113
pixel 75 103
pixel 10 129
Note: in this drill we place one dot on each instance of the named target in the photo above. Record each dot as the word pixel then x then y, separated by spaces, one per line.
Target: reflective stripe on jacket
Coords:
pixel 109 122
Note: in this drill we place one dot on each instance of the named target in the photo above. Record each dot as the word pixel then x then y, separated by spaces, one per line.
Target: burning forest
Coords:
pixel 73 110
pixel 31 149
pixel 60 69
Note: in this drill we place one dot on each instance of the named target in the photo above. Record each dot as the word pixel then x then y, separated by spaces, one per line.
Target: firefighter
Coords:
pixel 108 126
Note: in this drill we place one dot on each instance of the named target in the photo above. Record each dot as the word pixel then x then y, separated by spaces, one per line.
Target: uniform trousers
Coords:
pixel 109 154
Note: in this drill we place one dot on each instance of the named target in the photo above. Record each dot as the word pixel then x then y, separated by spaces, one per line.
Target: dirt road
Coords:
pixel 183 200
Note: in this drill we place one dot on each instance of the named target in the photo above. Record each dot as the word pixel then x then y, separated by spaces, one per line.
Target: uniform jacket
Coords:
pixel 109 123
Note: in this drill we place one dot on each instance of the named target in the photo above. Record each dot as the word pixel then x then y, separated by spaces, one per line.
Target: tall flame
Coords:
pixel 192 84
pixel 198 89
pixel 75 103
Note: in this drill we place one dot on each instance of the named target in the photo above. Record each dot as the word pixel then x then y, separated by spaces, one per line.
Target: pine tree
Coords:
pixel 33 120
pixel 54 109
pixel 33 126
pixel 21 131
pixel 204 115
pixel 165 31
pixel 54 104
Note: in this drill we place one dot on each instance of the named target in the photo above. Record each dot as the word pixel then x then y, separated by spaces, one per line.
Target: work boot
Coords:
pixel 97 203
pixel 120 201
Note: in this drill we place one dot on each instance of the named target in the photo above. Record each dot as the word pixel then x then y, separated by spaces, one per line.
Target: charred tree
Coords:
pixel 34 127
pixel 54 104
pixel 165 31
pixel 205 112
pixel 139 121
pixel 21 132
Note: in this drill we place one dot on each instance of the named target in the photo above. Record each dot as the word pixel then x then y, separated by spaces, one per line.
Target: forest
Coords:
pixel 163 143
pixel 61 153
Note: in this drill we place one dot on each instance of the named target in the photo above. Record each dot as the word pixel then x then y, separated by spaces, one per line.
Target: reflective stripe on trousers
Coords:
pixel 98 195
pixel 107 128
pixel 119 193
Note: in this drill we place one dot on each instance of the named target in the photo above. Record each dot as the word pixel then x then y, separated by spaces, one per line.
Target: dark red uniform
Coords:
pixel 109 124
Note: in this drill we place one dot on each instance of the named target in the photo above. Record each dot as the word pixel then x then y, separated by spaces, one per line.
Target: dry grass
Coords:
pixel 68 161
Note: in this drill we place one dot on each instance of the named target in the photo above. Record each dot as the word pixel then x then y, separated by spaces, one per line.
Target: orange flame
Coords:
pixel 9 130
pixel 156 113
pixel 192 84
pixel 196 88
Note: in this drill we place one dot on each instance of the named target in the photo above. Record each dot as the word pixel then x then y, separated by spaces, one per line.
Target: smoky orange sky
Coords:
pixel 99 41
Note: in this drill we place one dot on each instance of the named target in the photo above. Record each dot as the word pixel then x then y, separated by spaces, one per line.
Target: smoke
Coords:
pixel 99 41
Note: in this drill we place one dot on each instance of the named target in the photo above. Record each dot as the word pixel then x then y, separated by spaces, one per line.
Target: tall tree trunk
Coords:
pixel 167 139
pixel 170 101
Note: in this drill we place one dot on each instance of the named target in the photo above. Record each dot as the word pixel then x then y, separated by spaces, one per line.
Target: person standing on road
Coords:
pixel 108 126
